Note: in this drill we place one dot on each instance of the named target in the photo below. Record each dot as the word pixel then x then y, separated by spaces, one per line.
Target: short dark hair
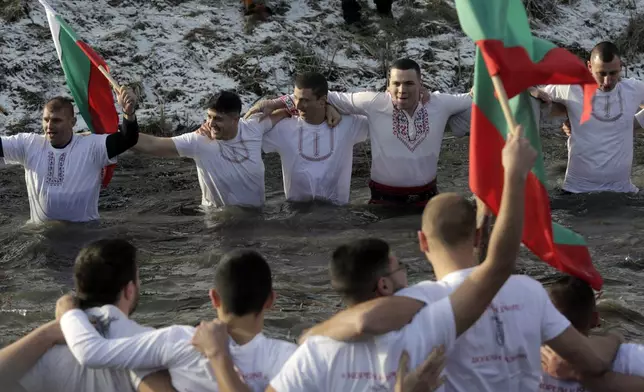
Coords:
pixel 102 269
pixel 450 218
pixel 226 102
pixel 314 81
pixel 406 64
pixel 606 51
pixel 60 103
pixel 243 281
pixel 356 267
pixel 575 299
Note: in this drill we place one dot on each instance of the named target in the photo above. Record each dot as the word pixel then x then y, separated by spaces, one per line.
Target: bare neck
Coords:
pixel 315 118
pixel 243 329
pixel 446 262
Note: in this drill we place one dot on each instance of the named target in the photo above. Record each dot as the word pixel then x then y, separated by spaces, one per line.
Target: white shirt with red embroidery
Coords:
pixel 501 351
pixel 257 361
pixel 230 172
pixel 404 148
pixel 316 159
pixel 600 151
pixel 326 365
pixel 629 360
pixel 62 183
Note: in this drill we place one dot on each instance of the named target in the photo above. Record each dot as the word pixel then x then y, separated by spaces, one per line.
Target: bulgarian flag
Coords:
pixel 90 88
pixel 506 49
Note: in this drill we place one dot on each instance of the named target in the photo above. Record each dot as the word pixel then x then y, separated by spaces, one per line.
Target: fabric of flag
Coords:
pixel 507 49
pixel 90 88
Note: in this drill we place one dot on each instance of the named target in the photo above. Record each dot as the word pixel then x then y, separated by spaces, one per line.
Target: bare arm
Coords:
pixel 590 360
pixel 158 146
pixel 157 382
pixel 471 298
pixel 17 358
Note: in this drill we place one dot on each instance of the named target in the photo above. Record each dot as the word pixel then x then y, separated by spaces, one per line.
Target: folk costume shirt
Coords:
pixel 501 351
pixel 600 151
pixel 62 183
pixel 231 172
pixel 404 148
pixel 325 365
pixel 170 348
pixel 59 371
pixel 316 159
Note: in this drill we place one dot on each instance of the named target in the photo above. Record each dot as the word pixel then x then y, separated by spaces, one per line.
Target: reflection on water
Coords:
pixel 155 204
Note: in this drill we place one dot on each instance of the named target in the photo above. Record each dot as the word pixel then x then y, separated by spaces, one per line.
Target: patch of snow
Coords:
pixel 183 54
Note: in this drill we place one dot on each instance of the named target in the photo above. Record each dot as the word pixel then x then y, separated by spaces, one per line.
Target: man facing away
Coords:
pixel 406 132
pixel 107 283
pixel 316 159
pixel 600 151
pixel 575 299
pixel 500 352
pixel 364 270
pixel 242 294
pixel 229 167
pixel 63 170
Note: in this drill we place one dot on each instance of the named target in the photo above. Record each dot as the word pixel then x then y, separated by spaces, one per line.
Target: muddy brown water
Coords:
pixel 155 203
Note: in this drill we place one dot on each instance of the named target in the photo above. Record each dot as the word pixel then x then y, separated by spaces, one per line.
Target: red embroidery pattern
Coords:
pixel 401 127
pixel 316 146
pixel 290 104
pixel 53 178
pixel 235 153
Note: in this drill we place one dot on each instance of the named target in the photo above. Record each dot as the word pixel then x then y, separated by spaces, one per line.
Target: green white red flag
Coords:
pixel 507 49
pixel 90 88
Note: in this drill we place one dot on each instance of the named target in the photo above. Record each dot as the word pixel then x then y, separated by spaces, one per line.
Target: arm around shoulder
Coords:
pixel 157 146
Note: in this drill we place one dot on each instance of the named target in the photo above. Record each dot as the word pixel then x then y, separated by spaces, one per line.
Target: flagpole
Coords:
pixel 109 77
pixel 505 104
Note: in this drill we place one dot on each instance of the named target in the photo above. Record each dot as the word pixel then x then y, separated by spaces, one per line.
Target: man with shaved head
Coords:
pixel 600 151
pixel 501 351
pixel 63 169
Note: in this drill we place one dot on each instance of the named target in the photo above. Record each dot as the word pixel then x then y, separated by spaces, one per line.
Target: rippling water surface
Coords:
pixel 155 203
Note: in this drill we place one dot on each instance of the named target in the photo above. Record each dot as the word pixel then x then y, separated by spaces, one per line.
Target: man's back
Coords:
pixel 258 361
pixel 325 365
pixel 500 352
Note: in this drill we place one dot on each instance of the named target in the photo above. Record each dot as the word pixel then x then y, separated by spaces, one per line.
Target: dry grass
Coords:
pixel 436 17
pixel 203 35
pixel 31 100
pixel 12 10
pixel 631 40
pixel 543 10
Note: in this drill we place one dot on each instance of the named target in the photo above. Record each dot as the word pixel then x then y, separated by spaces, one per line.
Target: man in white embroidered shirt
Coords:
pixel 316 158
pixel 63 170
pixel 243 292
pixel 406 132
pixel 600 151
pixel 364 270
pixel 229 165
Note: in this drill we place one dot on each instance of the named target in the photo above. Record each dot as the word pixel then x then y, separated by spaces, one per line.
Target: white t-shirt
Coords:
pixel 325 365
pixel 316 159
pixel 229 169
pixel 62 183
pixel 629 360
pixel 501 351
pixel 59 371
pixel 257 361
pixel 404 149
pixel 600 151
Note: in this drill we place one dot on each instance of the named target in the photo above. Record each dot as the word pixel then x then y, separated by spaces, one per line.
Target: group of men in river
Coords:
pixel 477 328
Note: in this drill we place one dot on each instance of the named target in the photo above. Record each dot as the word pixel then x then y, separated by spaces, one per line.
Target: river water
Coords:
pixel 155 203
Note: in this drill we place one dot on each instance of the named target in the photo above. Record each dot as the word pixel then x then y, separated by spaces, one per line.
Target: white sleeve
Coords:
pixel 352 103
pixel 99 150
pixel 455 103
pixel 433 326
pixel 630 360
pixel 282 352
pixel 427 292
pixel 273 138
pixel 143 351
pixel 553 323
pixel 14 148
pixel 303 372
pixel 459 123
pixel 188 143
pixel 558 93
pixel 360 129
pixel 262 126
